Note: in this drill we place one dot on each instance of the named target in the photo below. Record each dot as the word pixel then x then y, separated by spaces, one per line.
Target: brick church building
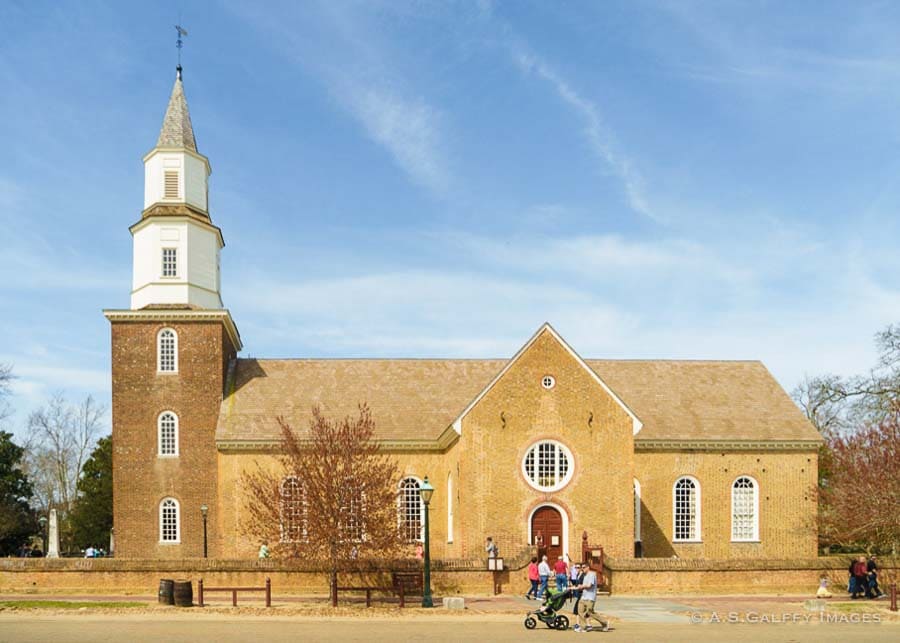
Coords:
pixel 653 458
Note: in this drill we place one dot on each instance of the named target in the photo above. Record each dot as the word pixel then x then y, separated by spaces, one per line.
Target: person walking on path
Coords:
pixel 861 584
pixel 534 577
pixel 562 574
pixel 264 550
pixel 872 569
pixel 586 612
pixel 544 575
pixel 578 580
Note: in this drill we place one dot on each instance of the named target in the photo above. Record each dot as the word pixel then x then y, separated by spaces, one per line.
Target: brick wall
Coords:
pixel 141 479
pixel 787 503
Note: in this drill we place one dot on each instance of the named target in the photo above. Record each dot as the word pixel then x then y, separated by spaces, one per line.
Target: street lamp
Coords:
pixel 43 522
pixel 203 511
pixel 426 491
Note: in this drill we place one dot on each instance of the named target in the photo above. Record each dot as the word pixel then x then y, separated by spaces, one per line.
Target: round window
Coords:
pixel 548 381
pixel 547 465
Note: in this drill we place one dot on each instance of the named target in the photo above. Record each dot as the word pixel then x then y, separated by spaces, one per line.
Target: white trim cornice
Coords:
pixel 176 315
pixel 726 445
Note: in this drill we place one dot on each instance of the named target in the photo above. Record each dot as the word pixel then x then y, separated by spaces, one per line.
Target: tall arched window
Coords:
pixel 744 510
pixel 412 510
pixel 169 522
pixel 167 351
pixel 686 510
pixel 449 507
pixel 168 433
pixel 293 511
pixel 352 523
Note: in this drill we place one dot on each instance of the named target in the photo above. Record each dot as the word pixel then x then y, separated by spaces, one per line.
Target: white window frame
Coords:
pixel 637 511
pixel 163 263
pixel 698 533
pixel 162 505
pixel 159 435
pixel 159 339
pixel 449 508
pixel 560 448
pixel 304 509
pixel 755 535
pixel 401 501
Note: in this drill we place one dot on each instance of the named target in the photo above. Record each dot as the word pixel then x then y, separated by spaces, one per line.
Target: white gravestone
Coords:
pixel 53 539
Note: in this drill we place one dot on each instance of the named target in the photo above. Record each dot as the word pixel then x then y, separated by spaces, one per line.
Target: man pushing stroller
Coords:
pixel 586 611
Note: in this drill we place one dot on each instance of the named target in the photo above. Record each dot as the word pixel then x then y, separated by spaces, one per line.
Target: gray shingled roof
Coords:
pixel 176 129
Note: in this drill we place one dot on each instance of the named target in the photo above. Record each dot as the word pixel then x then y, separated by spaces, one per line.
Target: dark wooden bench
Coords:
pixel 234 591
pixel 403 584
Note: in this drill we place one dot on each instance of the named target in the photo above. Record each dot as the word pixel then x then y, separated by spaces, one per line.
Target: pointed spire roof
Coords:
pixel 176 129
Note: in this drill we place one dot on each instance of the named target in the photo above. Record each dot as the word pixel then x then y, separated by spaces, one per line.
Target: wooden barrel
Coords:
pixel 166 595
pixel 183 593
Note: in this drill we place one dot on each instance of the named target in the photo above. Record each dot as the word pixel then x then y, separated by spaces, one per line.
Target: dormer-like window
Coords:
pixel 169 262
pixel 171 184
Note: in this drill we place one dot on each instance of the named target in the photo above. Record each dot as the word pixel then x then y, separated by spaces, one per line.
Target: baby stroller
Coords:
pixel 549 614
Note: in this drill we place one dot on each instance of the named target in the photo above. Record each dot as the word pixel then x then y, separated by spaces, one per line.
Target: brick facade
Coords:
pixel 142 479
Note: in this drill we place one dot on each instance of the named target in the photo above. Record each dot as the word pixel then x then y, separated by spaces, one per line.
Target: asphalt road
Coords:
pixel 223 629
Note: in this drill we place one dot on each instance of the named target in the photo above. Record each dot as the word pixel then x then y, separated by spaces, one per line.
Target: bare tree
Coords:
pixel 837 405
pixel 60 437
pixel 6 378
pixel 332 499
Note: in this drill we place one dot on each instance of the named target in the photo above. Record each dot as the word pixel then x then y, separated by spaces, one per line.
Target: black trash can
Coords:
pixel 183 593
pixel 166 591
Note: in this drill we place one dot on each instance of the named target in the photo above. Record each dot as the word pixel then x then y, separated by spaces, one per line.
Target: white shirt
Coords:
pixel 544 568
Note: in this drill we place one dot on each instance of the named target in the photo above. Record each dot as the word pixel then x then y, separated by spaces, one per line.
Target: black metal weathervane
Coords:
pixel 178 44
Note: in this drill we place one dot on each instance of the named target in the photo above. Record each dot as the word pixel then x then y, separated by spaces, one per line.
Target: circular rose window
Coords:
pixel 547 465
pixel 548 381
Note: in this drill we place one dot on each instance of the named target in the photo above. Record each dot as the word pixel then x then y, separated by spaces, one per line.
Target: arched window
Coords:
pixel 167 351
pixel 168 433
pixel 412 510
pixel 293 511
pixel 744 510
pixel 686 509
pixel 637 511
pixel 169 523
pixel 352 523
pixel 547 465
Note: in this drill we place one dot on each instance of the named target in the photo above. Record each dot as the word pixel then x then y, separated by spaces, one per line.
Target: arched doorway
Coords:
pixel 548 526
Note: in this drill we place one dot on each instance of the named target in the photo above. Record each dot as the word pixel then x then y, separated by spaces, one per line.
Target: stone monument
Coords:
pixel 53 539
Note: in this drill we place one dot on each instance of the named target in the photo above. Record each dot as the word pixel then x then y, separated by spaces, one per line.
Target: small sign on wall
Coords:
pixel 554 541
pixel 495 564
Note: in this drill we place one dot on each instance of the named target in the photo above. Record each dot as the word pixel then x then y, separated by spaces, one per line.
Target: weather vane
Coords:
pixel 178 44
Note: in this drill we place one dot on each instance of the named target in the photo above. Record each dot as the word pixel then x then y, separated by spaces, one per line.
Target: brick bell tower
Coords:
pixel 170 354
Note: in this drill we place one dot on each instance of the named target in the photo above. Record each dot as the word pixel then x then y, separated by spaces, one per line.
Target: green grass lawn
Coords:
pixel 67 604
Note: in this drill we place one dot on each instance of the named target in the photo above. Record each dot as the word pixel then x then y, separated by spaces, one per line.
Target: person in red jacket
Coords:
pixel 562 574
pixel 535 578
pixel 860 573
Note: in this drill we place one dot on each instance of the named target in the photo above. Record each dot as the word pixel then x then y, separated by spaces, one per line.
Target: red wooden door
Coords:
pixel 546 524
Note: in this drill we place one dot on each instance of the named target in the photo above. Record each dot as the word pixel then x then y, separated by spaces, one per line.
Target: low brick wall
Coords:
pixel 647 576
pixel 137 576
pixel 694 576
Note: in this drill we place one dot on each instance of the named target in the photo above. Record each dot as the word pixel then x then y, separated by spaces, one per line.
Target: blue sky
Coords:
pixel 658 180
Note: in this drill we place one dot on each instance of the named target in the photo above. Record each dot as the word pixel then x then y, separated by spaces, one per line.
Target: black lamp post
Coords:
pixel 203 511
pixel 426 491
pixel 43 522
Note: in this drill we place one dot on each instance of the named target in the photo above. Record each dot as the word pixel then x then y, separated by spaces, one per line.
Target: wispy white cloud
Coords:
pixel 598 135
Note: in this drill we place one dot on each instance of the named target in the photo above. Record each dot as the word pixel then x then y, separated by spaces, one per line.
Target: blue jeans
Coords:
pixel 561 581
pixel 534 589
pixel 543 589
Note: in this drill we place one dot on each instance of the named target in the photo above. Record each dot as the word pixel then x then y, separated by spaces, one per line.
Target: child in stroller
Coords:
pixel 548 614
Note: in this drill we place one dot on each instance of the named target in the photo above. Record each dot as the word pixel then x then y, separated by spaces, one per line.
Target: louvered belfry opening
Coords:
pixel 171 184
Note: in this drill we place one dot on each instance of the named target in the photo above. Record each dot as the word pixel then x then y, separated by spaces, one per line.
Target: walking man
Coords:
pixel 544 575
pixel 586 612
pixel 562 574
pixel 576 581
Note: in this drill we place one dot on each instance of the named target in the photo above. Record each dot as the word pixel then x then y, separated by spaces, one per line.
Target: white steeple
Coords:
pixel 176 246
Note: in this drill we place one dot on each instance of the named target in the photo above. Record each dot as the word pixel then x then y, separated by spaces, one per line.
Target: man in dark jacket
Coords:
pixel 577 593
pixel 872 569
